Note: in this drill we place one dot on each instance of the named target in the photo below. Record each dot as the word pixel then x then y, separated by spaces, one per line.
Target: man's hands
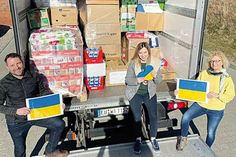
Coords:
pixel 23 111
pixel 63 106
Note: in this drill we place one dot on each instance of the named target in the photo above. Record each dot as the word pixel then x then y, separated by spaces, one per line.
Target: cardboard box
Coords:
pixel 101 1
pixel 38 18
pixel 168 73
pixel 102 34
pixel 64 16
pixel 94 83
pixel 127 18
pixel 115 73
pixel 89 69
pixel 99 13
pixel 155 53
pixel 93 55
pixel 111 51
pixel 149 21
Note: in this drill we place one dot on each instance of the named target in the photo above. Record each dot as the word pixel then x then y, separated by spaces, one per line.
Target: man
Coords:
pixel 15 87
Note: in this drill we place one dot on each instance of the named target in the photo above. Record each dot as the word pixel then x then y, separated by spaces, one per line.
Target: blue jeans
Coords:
pixel 19 131
pixel 213 119
pixel 151 105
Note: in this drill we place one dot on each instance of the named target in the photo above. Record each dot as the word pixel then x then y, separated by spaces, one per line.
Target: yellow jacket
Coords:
pixel 227 94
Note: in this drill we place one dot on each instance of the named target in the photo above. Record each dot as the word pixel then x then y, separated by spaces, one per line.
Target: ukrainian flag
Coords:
pixel 45 106
pixel 146 73
pixel 193 90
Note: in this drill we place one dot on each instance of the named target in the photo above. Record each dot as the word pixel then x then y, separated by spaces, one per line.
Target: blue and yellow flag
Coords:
pixel 192 90
pixel 146 73
pixel 44 106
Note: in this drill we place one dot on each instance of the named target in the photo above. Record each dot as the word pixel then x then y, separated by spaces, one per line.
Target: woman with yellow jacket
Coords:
pixel 221 92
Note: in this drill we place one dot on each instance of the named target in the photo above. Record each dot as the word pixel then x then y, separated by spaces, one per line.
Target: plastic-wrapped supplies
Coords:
pixel 57 53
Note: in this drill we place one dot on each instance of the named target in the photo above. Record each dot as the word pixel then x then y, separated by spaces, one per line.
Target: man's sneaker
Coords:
pixel 155 146
pixel 137 147
pixel 181 143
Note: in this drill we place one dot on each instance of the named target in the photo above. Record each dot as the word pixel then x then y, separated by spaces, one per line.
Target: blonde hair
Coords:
pixel 221 55
pixel 137 61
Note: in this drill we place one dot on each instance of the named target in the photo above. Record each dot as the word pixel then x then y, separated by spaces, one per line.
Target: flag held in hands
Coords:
pixel 192 90
pixel 146 73
pixel 44 106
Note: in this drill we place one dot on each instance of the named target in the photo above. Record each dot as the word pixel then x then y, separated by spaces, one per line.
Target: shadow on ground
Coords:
pixel 3 30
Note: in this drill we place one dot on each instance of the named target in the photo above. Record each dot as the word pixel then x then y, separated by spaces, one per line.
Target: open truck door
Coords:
pixel 182 38
pixel 19 10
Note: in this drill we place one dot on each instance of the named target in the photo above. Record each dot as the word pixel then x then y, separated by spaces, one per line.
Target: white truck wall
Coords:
pixel 176 55
pixel 191 4
pixel 181 39
pixel 183 29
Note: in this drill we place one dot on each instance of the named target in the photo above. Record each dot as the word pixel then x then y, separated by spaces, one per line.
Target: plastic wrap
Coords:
pixel 57 53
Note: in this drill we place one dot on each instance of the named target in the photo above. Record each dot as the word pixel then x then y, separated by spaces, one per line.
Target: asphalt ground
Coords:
pixel 224 146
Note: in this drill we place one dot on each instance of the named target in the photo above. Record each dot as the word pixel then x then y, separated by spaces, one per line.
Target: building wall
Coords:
pixel 5 15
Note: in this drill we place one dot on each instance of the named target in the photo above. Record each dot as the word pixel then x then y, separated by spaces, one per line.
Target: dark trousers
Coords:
pixel 151 105
pixel 19 131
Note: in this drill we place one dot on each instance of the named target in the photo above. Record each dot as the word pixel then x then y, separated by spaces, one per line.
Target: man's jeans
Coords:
pixel 19 131
pixel 151 105
pixel 213 119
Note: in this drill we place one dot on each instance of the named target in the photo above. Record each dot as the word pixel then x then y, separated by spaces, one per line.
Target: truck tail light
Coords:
pixel 177 105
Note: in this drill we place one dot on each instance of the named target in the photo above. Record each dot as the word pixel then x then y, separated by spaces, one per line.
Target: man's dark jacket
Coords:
pixel 13 93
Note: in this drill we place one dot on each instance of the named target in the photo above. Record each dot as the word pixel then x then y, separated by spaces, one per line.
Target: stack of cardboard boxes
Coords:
pixel 60 57
pixel 127 15
pixel 149 16
pixel 59 12
pixel 100 19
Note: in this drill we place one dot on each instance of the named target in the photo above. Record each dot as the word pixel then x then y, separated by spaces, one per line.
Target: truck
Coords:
pixel 106 112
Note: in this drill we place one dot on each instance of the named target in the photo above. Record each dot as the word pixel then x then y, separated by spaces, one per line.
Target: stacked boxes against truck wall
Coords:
pixel 149 17
pixel 62 12
pixel 100 19
pixel 102 22
pixel 128 18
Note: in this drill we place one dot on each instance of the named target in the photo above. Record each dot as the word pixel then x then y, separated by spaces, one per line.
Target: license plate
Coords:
pixel 111 111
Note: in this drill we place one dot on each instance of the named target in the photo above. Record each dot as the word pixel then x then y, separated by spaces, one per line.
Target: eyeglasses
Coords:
pixel 215 61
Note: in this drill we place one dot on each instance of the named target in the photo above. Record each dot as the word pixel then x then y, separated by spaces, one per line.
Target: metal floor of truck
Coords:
pixel 195 148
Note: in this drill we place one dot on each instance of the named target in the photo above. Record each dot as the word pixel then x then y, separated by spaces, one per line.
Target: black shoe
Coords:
pixel 137 147
pixel 155 146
